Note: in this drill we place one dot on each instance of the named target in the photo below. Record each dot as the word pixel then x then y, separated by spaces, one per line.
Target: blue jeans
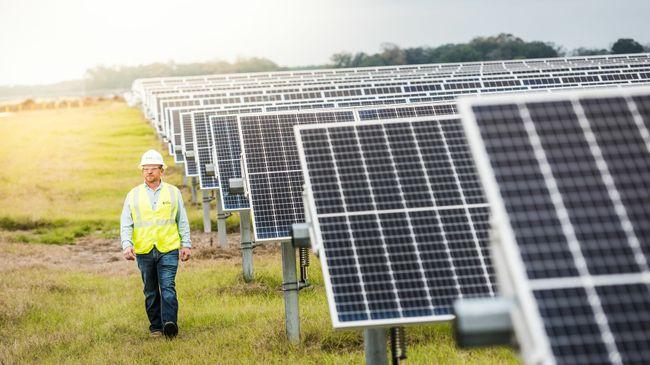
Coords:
pixel 158 275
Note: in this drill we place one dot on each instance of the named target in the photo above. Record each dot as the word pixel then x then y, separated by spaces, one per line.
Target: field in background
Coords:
pixel 63 177
pixel 65 172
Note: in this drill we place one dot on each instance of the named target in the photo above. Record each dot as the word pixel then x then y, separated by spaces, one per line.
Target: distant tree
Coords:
pixel 506 46
pixel 626 45
pixel 342 59
pixel 500 47
pixel 582 51
pixel 121 77
pixel 454 53
pixel 415 55
pixel 392 54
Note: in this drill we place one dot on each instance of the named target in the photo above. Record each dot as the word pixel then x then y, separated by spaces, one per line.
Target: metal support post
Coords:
pixel 246 244
pixel 221 222
pixel 184 180
pixel 374 341
pixel 290 288
pixel 193 189
pixel 207 225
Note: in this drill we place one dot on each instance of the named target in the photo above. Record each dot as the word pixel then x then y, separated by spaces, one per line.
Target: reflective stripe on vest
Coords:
pixel 155 227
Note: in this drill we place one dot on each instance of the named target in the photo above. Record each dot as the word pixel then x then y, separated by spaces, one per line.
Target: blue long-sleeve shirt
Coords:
pixel 126 220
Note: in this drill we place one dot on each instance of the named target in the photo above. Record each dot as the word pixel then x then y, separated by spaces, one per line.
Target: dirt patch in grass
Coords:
pixel 103 255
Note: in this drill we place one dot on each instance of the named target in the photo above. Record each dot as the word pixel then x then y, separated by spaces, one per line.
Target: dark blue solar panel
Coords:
pixel 203 145
pixel 273 171
pixel 573 174
pixel 227 154
pixel 188 145
pixel 397 244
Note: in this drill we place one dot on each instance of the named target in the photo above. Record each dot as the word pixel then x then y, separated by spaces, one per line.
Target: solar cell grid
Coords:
pixel 227 154
pixel 203 142
pixel 188 145
pixel 399 239
pixel 568 177
pixel 273 171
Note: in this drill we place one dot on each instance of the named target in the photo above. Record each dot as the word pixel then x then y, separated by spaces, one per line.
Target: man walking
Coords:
pixel 154 228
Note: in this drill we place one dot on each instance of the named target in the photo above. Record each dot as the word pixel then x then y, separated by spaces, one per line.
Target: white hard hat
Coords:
pixel 152 157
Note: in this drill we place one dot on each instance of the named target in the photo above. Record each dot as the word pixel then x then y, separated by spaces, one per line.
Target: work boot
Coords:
pixel 155 334
pixel 170 329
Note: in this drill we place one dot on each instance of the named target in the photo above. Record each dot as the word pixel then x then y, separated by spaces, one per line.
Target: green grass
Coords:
pixel 72 168
pixel 62 316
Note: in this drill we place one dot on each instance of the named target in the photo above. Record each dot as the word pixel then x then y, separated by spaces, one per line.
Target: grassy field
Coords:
pixel 63 178
pixel 65 173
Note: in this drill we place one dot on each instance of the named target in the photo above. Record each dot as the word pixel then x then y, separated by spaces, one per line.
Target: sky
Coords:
pixel 44 41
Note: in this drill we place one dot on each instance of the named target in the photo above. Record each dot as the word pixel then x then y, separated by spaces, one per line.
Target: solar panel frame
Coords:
pixel 191 168
pixel 172 134
pixel 275 178
pixel 312 217
pixel 512 273
pixel 227 163
pixel 202 141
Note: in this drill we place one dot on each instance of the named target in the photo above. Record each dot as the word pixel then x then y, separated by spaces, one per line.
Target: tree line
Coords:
pixel 499 47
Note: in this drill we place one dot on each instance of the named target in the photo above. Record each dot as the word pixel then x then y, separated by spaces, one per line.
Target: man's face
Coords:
pixel 152 173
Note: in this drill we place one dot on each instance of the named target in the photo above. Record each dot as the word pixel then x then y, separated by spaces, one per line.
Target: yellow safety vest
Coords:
pixel 155 228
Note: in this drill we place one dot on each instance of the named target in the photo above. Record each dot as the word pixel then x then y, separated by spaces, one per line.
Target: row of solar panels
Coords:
pixel 412 91
pixel 399 215
pixel 370 72
pixel 571 70
pixel 192 133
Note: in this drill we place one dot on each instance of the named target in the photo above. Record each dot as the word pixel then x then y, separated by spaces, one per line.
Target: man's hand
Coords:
pixel 186 252
pixel 129 253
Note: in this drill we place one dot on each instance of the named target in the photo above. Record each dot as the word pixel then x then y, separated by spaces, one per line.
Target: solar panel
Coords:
pixel 568 179
pixel 188 145
pixel 177 144
pixel 272 169
pixel 203 149
pixel 400 220
pixel 227 157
